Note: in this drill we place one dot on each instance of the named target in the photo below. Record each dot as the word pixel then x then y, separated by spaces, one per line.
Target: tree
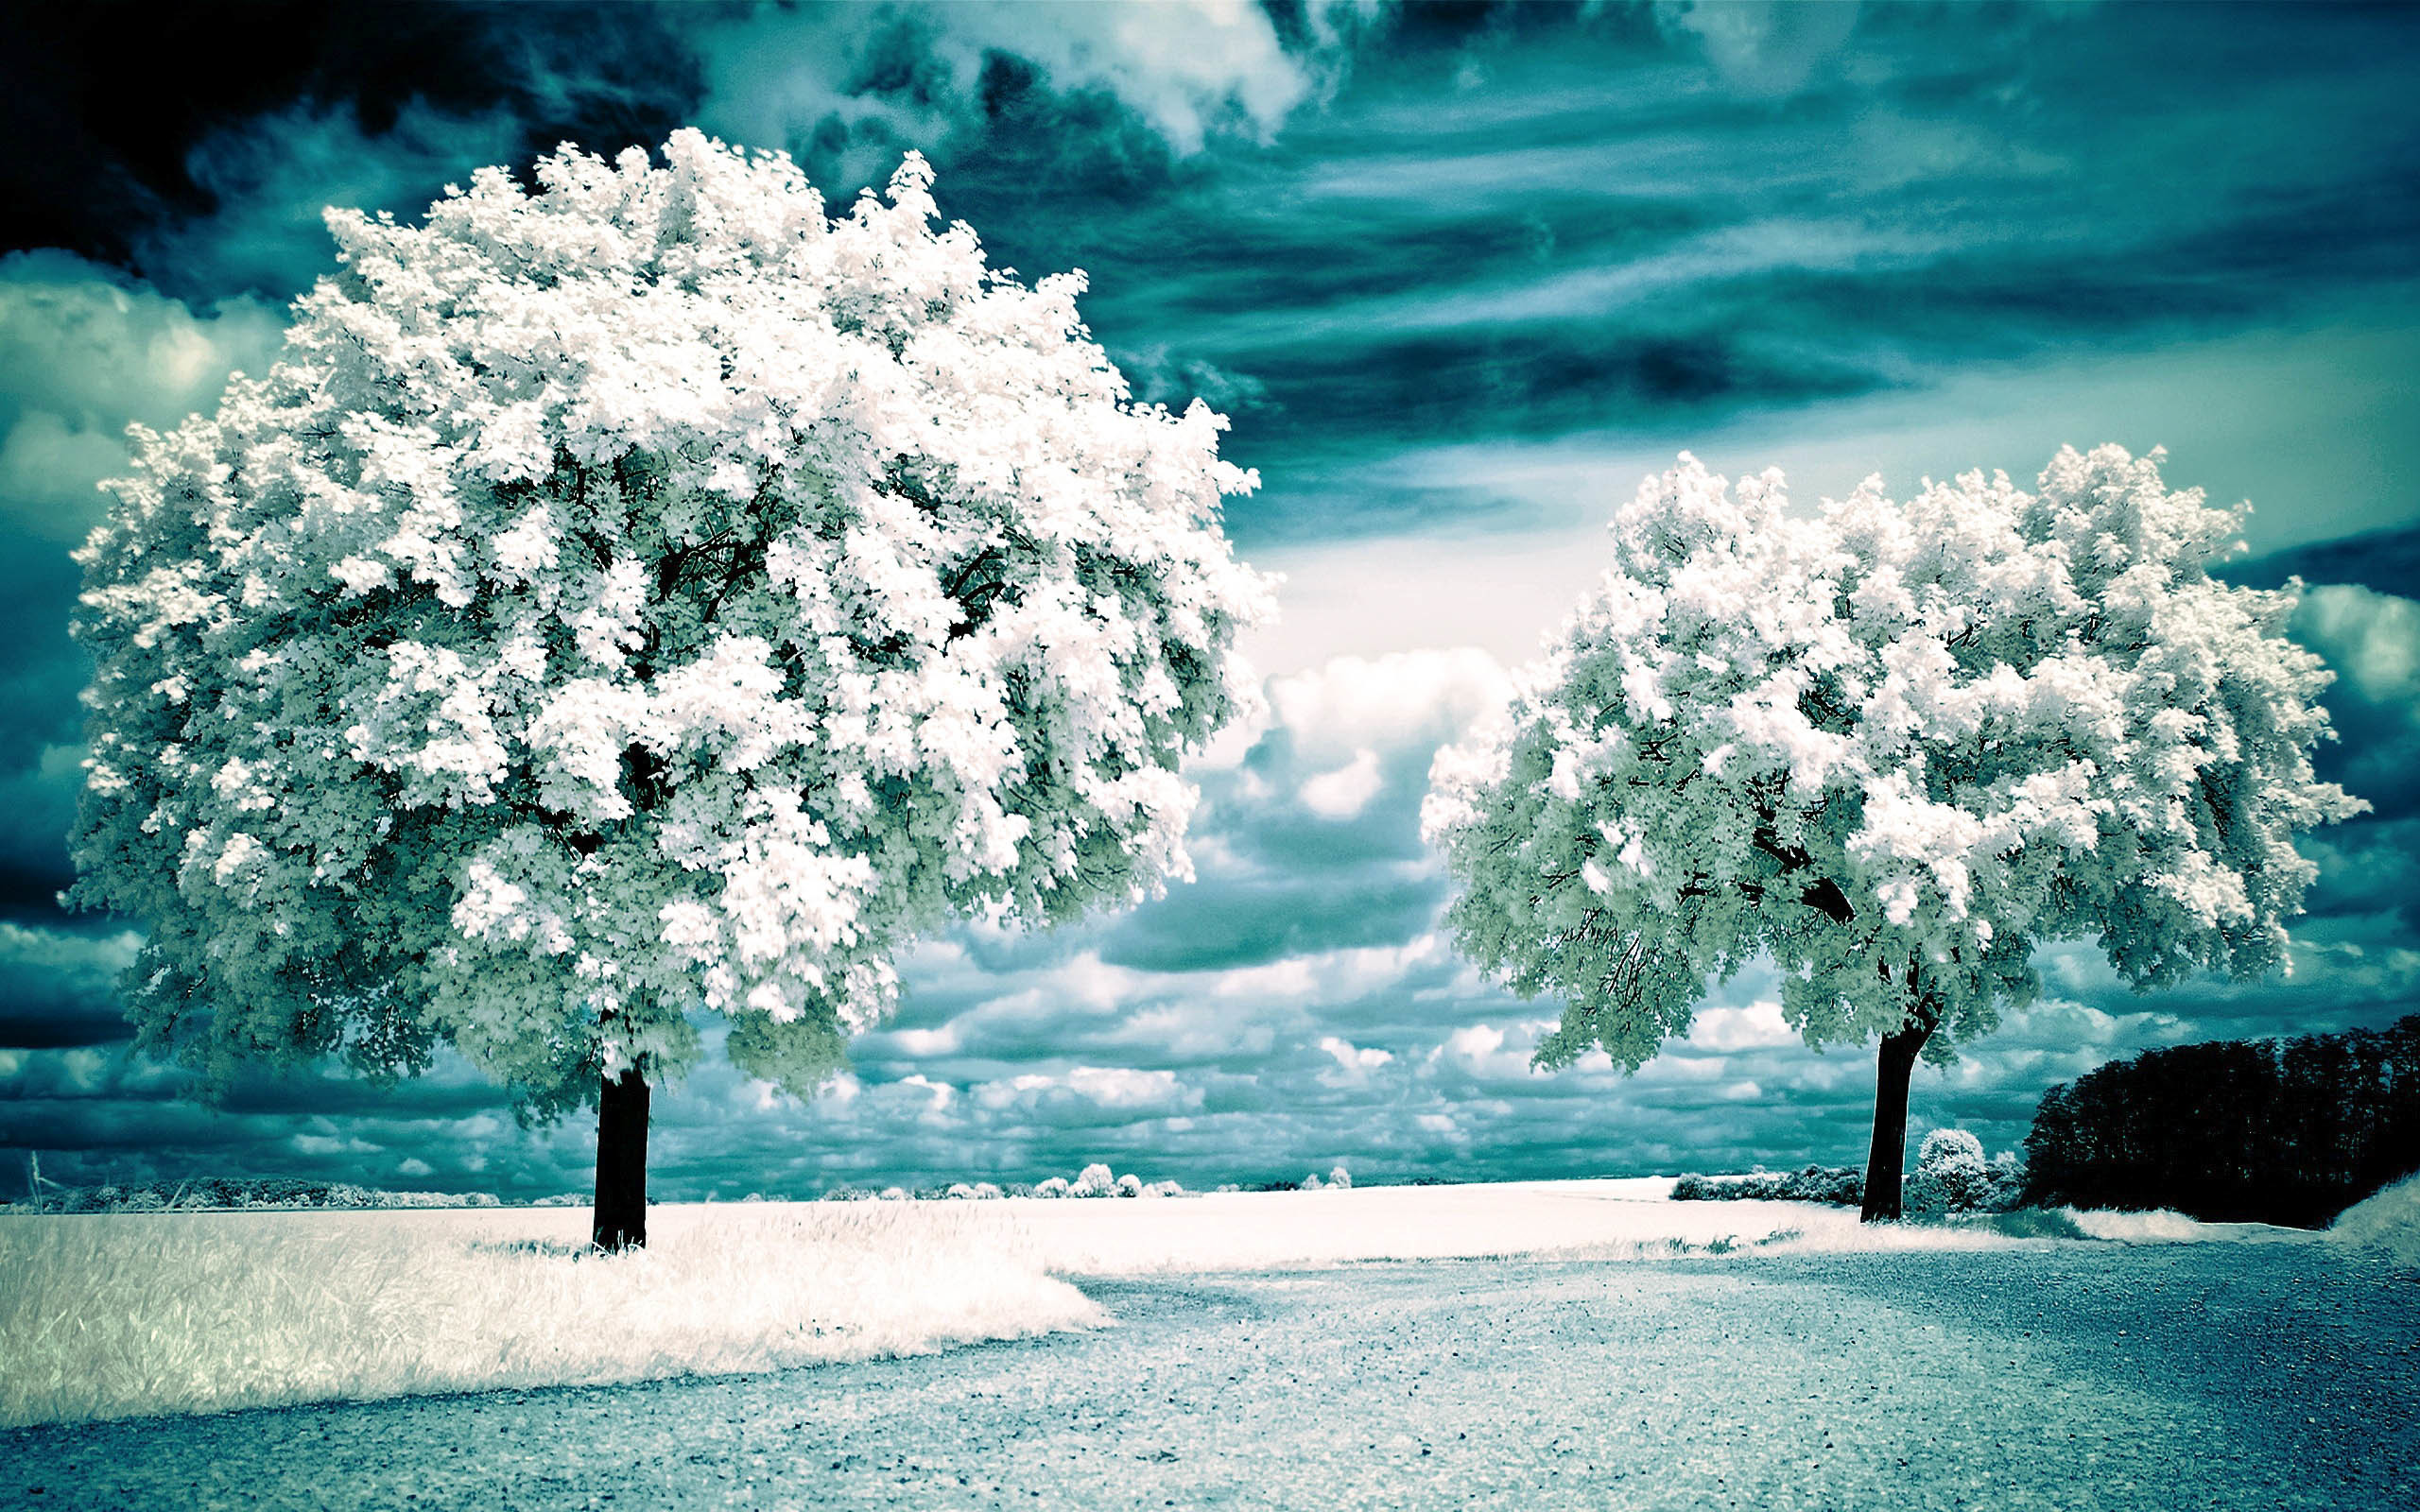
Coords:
pixel 633 597
pixel 1890 748
pixel 2289 1131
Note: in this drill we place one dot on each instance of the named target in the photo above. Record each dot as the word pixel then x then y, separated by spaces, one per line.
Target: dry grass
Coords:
pixel 129 1314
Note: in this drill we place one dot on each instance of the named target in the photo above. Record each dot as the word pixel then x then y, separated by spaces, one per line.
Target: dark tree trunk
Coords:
pixel 621 1163
pixel 1889 1152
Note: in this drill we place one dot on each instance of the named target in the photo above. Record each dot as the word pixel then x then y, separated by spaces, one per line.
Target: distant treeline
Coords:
pixel 2285 1131
pixel 204 1194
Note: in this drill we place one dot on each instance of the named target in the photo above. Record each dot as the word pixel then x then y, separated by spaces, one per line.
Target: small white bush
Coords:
pixel 1053 1187
pixel 1341 1177
pixel 986 1192
pixel 894 1194
pixel 1130 1185
pixel 1095 1180
pixel 1952 1176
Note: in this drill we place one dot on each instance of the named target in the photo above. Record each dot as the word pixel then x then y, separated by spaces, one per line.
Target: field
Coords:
pixel 117 1316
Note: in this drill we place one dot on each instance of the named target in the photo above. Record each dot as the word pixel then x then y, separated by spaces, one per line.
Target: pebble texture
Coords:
pixel 2212 1375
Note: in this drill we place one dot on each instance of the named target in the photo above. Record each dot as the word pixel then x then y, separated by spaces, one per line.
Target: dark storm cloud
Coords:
pixel 59 988
pixel 2386 561
pixel 152 120
pixel 40 730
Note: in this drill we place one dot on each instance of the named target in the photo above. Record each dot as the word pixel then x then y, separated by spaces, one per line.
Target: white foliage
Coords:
pixel 1953 1175
pixel 640 594
pixel 1893 745
pixel 1946 1149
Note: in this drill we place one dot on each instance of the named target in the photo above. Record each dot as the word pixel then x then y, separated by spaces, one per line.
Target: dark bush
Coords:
pixel 2284 1131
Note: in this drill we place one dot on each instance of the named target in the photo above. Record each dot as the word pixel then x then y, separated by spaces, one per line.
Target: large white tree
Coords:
pixel 641 595
pixel 1893 747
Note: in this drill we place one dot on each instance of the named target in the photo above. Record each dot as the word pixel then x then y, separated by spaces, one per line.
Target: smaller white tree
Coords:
pixel 1891 747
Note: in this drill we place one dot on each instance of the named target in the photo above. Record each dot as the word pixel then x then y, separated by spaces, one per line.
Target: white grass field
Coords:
pixel 131 1315
pixel 124 1314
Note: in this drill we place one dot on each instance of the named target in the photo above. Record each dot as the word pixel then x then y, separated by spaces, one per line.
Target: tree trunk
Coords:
pixel 621 1163
pixel 1889 1152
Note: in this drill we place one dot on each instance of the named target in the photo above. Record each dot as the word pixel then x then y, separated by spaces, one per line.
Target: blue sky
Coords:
pixel 1460 275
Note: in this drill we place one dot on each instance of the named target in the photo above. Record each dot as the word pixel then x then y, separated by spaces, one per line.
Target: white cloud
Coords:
pixel 83 352
pixel 1353 1058
pixel 82 959
pixel 1114 1090
pixel 1191 69
pixel 1354 1063
pixel 1344 792
pixel 1768 47
pixel 1123 1088
pixel 1758 1026
pixel 2371 640
pixel 1480 1048
pixel 1355 703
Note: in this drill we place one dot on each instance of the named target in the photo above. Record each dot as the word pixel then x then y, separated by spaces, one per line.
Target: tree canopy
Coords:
pixel 1892 747
pixel 638 592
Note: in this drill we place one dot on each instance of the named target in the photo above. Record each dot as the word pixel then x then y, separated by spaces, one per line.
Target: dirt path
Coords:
pixel 2191 1376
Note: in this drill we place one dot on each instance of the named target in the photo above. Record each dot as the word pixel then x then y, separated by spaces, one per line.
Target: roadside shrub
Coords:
pixel 2032 1223
pixel 1952 1176
pixel 1842 1186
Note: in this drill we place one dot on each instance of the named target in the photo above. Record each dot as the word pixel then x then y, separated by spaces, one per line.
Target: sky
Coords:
pixel 1461 276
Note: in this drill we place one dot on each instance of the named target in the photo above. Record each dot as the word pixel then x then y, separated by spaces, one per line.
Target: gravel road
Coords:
pixel 2211 1375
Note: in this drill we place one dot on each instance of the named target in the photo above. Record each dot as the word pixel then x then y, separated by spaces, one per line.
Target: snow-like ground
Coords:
pixel 128 1315
pixel 2079 1377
